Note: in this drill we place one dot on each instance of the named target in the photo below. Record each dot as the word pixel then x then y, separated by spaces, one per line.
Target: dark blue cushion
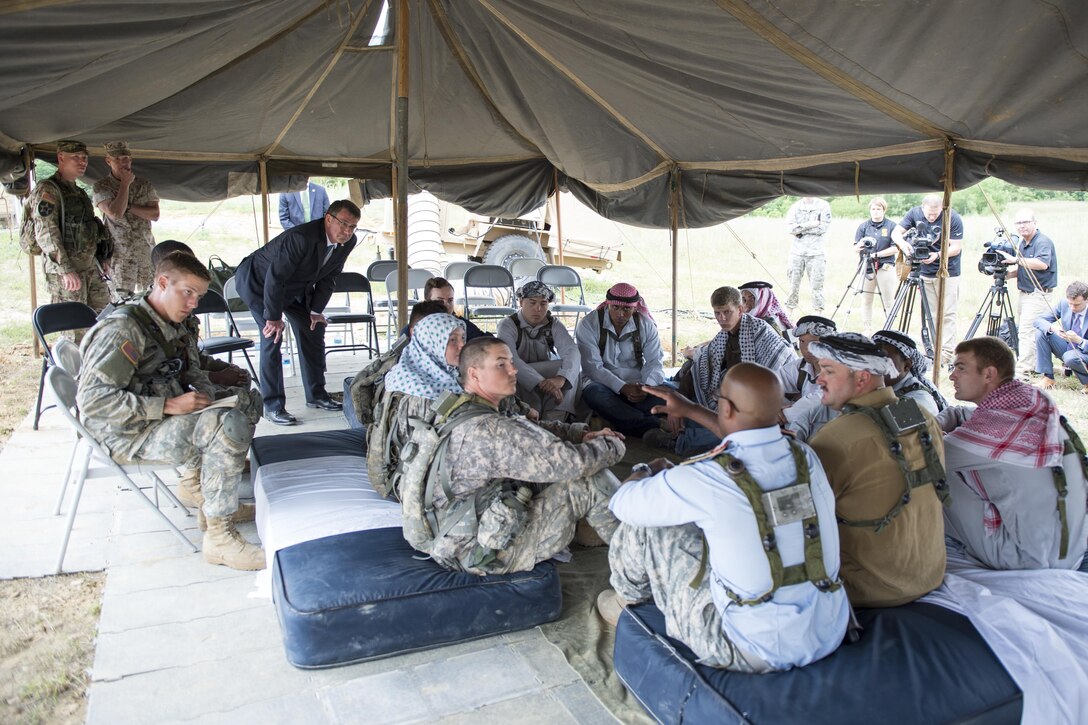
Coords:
pixel 918 663
pixel 365 594
pixel 300 446
pixel 349 406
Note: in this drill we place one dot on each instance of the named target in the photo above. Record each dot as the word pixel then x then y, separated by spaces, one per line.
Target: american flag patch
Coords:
pixel 129 351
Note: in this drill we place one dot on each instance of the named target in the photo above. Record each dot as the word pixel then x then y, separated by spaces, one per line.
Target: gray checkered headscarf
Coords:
pixel 813 325
pixel 919 363
pixel 535 289
pixel 855 351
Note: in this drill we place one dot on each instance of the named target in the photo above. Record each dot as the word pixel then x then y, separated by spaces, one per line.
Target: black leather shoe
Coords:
pixel 325 404
pixel 280 417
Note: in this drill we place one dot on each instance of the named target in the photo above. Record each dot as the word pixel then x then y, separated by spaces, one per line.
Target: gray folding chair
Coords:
pixel 378 270
pixel 500 283
pixel 213 303
pixel 57 317
pixel 525 267
pixel 454 273
pixel 560 277
pixel 96 463
pixel 417 280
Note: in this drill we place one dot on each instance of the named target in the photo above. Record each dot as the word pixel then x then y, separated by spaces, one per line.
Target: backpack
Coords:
pixel 368 385
pixel 221 272
pixel 27 241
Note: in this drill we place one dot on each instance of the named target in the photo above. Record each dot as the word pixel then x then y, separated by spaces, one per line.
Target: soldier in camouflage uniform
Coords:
pixel 129 204
pixel 557 482
pixel 70 244
pixel 133 397
pixel 808 221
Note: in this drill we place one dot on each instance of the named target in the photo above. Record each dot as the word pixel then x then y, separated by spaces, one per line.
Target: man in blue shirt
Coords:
pixel 757 486
pixel 1036 273
pixel 928 219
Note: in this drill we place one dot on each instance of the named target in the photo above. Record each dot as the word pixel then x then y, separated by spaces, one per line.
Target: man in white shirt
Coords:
pixel 756 486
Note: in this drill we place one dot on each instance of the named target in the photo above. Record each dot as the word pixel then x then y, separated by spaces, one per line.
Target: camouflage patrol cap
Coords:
pixel 70 146
pixel 118 148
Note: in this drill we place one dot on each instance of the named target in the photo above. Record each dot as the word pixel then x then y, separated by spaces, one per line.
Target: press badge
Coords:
pixel 790 504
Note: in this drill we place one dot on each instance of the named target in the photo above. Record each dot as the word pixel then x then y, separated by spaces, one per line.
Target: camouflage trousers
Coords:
pixel 215 441
pixel 92 291
pixel 553 515
pixel 659 563
pixel 814 266
pixel 131 265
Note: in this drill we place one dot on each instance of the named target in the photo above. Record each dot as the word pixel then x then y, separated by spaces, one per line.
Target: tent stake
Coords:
pixel 400 170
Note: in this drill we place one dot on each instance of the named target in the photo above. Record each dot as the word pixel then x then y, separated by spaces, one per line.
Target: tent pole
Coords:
pixel 674 233
pixel 262 166
pixel 942 273
pixel 28 162
pixel 400 171
pixel 558 216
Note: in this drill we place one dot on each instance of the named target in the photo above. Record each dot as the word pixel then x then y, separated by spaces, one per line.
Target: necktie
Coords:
pixel 328 254
pixel 304 197
pixel 1078 322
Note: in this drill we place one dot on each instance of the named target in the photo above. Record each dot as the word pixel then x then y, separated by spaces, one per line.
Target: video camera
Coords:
pixel 923 244
pixel 992 263
pixel 867 244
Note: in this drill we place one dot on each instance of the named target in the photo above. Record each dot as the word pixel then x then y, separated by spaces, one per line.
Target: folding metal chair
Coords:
pixel 561 277
pixel 378 270
pixel 214 304
pixel 97 463
pixel 497 279
pixel 525 267
pixel 348 282
pixel 57 317
pixel 417 280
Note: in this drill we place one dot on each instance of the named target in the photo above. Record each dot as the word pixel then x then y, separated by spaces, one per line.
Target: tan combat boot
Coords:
pixel 246 512
pixel 189 492
pixel 224 545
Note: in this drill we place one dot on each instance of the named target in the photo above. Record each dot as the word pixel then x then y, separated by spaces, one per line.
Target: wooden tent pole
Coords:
pixel 400 175
pixel 262 167
pixel 942 272
pixel 674 233
pixel 558 216
pixel 28 163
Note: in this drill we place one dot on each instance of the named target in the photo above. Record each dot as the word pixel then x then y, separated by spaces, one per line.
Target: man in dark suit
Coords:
pixel 293 276
pixel 1062 333
pixel 299 207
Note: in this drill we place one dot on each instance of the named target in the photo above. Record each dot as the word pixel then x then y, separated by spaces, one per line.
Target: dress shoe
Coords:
pixel 280 417
pixel 325 404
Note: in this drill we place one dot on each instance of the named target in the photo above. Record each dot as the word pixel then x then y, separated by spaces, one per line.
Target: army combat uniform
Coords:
pixel 132 237
pixel 492 456
pixel 249 400
pixel 808 221
pixel 68 245
pixel 127 376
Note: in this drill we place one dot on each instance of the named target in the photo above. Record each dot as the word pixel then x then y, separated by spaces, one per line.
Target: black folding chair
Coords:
pixel 348 282
pixel 52 318
pixel 213 303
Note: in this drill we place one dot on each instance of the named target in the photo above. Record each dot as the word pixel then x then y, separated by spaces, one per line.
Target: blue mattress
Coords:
pixel 919 663
pixel 363 595
pixel 300 446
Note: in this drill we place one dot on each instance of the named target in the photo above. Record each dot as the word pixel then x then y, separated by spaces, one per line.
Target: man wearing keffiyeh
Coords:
pixel 902 556
pixel 911 367
pixel 1007 461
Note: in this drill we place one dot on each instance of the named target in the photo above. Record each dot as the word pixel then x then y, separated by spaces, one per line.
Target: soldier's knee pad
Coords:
pixel 237 428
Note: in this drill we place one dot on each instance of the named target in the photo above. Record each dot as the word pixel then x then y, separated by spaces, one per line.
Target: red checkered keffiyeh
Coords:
pixel 767 305
pixel 1017 424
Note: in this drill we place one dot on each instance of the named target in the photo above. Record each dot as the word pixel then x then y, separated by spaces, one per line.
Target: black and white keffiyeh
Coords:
pixel 855 351
pixel 814 325
pixel 918 362
pixel 759 343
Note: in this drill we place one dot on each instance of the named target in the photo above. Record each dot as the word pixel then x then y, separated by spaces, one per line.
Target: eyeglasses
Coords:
pixel 341 222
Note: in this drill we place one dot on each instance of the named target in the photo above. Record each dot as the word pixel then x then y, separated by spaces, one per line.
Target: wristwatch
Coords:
pixel 642 468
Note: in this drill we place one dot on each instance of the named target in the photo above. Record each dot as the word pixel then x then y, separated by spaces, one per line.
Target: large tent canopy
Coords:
pixel 619 100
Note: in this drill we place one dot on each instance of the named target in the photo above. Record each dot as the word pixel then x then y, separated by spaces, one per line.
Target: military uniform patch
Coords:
pixel 46 208
pixel 129 351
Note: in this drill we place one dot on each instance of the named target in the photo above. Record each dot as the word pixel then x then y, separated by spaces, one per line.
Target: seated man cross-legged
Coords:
pixel 508 493
pixel 1015 467
pixel 1062 334
pixel 755 606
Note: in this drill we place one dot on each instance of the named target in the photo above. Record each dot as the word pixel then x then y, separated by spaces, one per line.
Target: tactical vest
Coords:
pixel 546 331
pixel 916 386
pixel 158 372
pixel 766 508
pixel 80 229
pixel 423 469
pixel 636 337
pixel 896 422
pixel 1072 445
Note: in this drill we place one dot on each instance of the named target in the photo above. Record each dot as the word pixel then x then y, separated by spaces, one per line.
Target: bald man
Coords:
pixel 756 485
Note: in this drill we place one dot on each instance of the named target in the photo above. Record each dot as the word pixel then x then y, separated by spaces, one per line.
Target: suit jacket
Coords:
pixel 1065 313
pixel 291 212
pixel 291 268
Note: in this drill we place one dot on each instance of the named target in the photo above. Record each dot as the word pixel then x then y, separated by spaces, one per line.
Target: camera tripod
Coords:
pixel 998 309
pixel 899 315
pixel 867 265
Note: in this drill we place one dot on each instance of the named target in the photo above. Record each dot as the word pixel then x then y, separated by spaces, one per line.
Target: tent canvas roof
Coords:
pixel 745 100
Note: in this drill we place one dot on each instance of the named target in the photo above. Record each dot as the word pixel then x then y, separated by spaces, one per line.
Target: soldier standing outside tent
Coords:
pixel 69 234
pixel 808 221
pixel 129 204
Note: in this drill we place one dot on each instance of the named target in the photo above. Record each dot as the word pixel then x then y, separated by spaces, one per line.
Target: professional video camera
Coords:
pixel 867 244
pixel 992 262
pixel 923 244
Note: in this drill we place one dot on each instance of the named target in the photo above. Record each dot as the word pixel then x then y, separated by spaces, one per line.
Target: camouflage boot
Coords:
pixel 224 545
pixel 189 489
pixel 246 512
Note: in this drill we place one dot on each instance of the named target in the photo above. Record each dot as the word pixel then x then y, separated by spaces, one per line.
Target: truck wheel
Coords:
pixel 507 248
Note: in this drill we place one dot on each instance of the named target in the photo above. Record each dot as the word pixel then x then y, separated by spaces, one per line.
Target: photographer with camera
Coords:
pixel 927 220
pixel 1036 273
pixel 874 237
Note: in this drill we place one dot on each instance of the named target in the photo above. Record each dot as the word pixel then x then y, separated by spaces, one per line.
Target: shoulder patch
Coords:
pixel 45 208
pixel 129 351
